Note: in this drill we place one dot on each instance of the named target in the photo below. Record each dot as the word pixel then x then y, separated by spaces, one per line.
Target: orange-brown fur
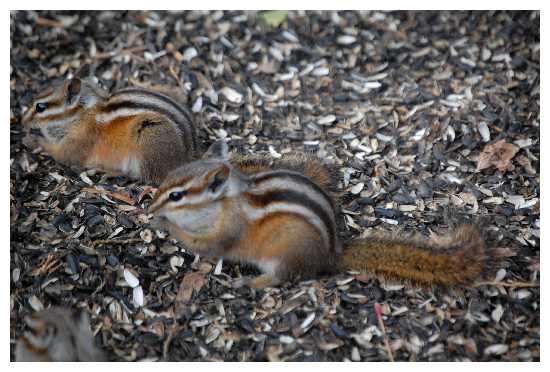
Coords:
pixel 92 145
pixel 76 146
pixel 420 261
pixel 114 143
pixel 143 142
pixel 310 165
pixel 274 238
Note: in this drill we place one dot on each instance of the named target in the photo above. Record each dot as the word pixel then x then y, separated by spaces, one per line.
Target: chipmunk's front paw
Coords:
pixel 263 281
pixel 258 282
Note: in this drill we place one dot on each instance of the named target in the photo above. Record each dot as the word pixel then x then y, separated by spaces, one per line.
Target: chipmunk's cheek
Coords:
pixel 55 133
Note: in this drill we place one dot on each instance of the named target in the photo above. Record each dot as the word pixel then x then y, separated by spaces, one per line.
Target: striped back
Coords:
pixel 135 101
pixel 285 191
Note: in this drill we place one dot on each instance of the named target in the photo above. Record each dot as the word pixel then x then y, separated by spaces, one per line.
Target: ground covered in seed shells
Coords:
pixel 433 118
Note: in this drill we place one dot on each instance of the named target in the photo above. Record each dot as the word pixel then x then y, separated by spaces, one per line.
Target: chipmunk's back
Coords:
pixel 138 101
pixel 289 192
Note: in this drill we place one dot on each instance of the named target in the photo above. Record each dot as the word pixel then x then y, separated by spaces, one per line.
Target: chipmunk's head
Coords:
pixel 190 196
pixel 56 109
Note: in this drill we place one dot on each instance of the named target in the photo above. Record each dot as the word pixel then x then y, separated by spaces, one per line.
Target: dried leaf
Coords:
pixel 191 282
pixel 115 195
pixel 497 154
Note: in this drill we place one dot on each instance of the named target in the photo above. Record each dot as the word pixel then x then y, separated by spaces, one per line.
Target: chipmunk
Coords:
pixel 137 132
pixel 285 224
pixel 58 335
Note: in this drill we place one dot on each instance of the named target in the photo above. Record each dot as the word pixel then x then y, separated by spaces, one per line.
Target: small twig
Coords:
pixel 50 264
pixel 173 331
pixel 175 76
pixel 378 311
pixel 104 55
pixel 49 22
pixel 95 243
pixel 509 285
pixel 115 195
pixel 97 329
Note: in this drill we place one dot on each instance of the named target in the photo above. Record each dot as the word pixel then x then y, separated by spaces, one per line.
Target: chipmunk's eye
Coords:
pixel 41 107
pixel 177 195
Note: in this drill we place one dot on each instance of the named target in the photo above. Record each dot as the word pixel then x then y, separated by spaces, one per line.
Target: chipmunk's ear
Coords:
pixel 85 87
pixel 218 178
pixel 218 150
pixel 73 89
pixel 75 84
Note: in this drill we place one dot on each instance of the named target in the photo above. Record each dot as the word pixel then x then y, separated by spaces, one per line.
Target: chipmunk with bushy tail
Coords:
pixel 285 224
pixel 137 132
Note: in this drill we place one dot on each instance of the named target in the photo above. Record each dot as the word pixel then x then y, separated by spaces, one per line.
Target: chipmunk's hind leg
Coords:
pixel 284 257
pixel 160 146
pixel 302 260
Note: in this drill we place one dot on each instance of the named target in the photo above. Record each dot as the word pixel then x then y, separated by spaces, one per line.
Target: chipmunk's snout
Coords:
pixel 27 116
pixel 159 222
pixel 36 132
pixel 154 208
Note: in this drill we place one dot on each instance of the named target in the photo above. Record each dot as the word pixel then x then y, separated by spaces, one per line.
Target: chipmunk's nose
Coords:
pixel 158 223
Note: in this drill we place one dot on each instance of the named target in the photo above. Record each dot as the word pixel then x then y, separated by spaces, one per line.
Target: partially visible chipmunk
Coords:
pixel 58 335
pixel 282 222
pixel 137 132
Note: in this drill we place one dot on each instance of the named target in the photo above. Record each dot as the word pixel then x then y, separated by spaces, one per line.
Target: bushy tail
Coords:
pixel 458 258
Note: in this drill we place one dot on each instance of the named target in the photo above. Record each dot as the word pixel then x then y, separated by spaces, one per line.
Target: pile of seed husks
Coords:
pixel 432 118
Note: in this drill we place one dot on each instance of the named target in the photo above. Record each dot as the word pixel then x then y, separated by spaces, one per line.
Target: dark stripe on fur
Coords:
pixel 147 124
pixel 187 136
pixel 168 100
pixel 292 197
pixel 71 111
pixel 262 177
